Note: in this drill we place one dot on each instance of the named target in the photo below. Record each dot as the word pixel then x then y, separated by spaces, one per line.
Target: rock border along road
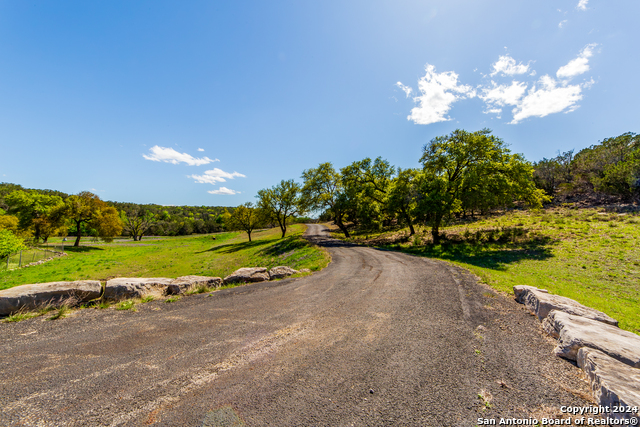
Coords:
pixel 376 338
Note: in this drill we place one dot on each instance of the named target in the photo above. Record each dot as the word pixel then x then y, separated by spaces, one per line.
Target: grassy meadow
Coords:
pixel 175 256
pixel 589 255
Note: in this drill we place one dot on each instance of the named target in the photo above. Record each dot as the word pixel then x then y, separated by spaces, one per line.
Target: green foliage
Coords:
pixel 88 214
pixel 281 203
pixel 246 218
pixel 38 212
pixel 472 171
pixel 611 167
pixel 324 189
pixel 126 305
pixel 9 243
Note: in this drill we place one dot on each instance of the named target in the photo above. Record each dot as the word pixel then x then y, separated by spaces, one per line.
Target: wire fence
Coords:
pixel 29 256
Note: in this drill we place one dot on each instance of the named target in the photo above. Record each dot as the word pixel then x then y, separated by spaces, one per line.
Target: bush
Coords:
pixel 9 243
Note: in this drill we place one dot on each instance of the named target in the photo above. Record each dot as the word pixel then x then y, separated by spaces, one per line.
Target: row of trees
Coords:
pixel 462 173
pixel 39 214
pixel 611 167
pixel 45 215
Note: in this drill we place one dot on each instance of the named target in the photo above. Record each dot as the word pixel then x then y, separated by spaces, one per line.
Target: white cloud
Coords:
pixel 549 98
pixel 438 92
pixel 169 155
pixel 406 89
pixel 224 191
pixel 582 5
pixel 214 176
pixel 579 65
pixel 501 95
pixel 507 66
pixel 561 24
pixel 200 149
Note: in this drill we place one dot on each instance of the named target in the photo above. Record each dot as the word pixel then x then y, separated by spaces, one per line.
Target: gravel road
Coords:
pixel 377 338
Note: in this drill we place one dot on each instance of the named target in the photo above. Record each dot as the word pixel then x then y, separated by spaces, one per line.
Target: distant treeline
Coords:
pixel 462 174
pixel 39 214
pixel 609 168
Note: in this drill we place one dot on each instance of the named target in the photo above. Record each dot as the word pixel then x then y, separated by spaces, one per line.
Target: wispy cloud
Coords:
pixel 200 149
pixel 406 89
pixel 214 176
pixel 507 66
pixel 169 155
pixel 561 24
pixel 501 95
pixel 547 98
pixel 582 5
pixel 438 91
pixel 578 65
pixel 224 191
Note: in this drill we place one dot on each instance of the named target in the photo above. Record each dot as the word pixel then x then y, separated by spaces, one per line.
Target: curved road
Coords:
pixel 377 338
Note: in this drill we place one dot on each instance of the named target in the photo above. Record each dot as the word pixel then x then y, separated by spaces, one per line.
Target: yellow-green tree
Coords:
pixel 86 211
pixel 246 218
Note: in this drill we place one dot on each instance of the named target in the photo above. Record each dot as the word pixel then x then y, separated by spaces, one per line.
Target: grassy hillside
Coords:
pixel 175 256
pixel 589 255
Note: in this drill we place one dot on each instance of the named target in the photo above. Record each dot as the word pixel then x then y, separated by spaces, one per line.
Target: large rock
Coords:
pixel 575 332
pixel 248 274
pixel 540 303
pixel 613 383
pixel 281 272
pixel 34 296
pixel 185 283
pixel 519 290
pixel 130 287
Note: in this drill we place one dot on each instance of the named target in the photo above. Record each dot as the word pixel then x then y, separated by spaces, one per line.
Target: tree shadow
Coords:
pixel 495 256
pixel 81 249
pixel 236 247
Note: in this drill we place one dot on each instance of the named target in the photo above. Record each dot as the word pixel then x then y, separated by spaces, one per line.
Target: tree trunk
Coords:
pixel 435 230
pixel 79 235
pixel 249 234
pixel 342 227
pixel 284 230
pixel 407 218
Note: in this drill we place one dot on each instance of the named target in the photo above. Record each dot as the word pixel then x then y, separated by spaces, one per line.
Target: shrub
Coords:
pixel 9 243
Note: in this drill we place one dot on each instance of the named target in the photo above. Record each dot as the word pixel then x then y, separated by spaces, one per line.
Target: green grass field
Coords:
pixel 175 256
pixel 588 255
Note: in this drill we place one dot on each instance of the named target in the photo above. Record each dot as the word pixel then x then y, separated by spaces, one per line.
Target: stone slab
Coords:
pixel 613 383
pixel 248 274
pixel 281 272
pixel 518 291
pixel 133 287
pixel 574 332
pixel 33 296
pixel 184 283
pixel 540 303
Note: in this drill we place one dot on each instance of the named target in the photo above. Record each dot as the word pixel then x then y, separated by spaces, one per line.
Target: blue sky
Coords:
pixel 205 103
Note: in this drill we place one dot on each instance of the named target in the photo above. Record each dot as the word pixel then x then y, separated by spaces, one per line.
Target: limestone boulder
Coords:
pixel 185 283
pixel 132 287
pixel 248 274
pixel 540 303
pixel 574 332
pixel 613 383
pixel 519 290
pixel 305 270
pixel 281 272
pixel 29 297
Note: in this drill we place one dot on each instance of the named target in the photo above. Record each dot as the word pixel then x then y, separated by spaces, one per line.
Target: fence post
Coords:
pixel 8 261
pixel 20 261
